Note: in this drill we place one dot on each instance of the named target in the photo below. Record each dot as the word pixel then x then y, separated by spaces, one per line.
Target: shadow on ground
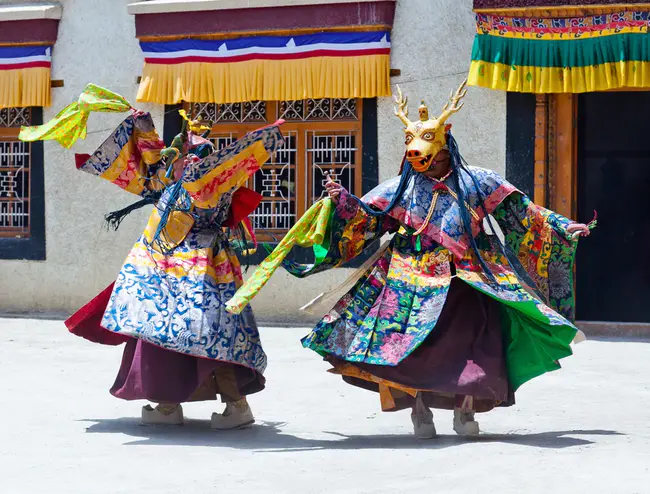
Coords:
pixel 269 437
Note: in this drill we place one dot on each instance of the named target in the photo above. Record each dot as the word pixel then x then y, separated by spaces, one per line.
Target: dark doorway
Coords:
pixel 613 265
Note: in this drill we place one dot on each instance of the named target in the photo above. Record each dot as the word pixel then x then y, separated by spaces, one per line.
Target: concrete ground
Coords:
pixel 584 429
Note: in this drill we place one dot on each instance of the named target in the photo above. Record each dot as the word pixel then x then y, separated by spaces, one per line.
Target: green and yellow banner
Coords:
pixel 562 55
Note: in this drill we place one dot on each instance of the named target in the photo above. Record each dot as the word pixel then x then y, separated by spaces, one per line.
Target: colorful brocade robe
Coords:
pixel 177 301
pixel 396 303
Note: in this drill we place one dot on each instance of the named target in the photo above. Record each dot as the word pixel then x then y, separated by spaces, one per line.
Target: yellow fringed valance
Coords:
pixel 543 80
pixel 25 87
pixel 269 80
pixel 269 68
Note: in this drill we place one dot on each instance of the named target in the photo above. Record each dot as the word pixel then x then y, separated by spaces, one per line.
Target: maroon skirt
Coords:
pixel 462 357
pixel 152 373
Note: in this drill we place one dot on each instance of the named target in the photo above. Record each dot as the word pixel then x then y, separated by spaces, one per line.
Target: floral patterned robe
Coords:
pixel 396 304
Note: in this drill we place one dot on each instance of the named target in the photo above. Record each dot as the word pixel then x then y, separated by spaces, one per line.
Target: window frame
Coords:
pixel 32 247
pixel 368 171
pixel 304 176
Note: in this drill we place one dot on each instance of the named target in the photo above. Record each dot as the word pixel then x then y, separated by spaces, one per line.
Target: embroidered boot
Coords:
pixel 464 423
pixel 163 414
pixel 422 419
pixel 237 415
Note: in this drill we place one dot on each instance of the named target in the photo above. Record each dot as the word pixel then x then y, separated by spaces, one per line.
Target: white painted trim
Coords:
pixel 28 12
pixel 39 58
pixel 168 6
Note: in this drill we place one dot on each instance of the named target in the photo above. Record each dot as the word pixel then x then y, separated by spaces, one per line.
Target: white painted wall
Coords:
pixel 432 42
pixel 432 45
pixel 96 44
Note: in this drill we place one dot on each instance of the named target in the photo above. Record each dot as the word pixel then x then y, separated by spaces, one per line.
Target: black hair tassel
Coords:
pixel 114 219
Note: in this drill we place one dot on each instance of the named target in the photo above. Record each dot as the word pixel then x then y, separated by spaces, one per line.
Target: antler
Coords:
pixel 454 99
pixel 401 110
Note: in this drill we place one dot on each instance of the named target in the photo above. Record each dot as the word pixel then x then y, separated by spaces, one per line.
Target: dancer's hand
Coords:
pixel 138 113
pixel 333 189
pixel 578 230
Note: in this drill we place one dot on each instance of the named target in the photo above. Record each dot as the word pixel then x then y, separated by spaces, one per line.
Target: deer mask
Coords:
pixel 426 137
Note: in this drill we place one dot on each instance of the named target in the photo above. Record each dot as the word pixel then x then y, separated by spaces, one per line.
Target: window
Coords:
pixel 14 174
pixel 321 136
pixel 21 187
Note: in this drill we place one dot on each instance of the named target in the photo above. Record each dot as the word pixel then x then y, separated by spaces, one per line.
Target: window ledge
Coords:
pixel 24 12
pixel 167 6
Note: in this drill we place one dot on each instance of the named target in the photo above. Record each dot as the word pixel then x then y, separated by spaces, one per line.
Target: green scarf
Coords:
pixel 70 124
pixel 309 231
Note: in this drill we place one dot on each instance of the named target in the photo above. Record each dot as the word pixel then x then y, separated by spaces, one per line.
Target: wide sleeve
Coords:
pixel 543 246
pixel 351 230
pixel 229 168
pixel 130 157
pixel 337 232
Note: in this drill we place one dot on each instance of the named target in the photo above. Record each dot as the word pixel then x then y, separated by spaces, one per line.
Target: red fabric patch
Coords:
pixel 244 202
pixel 250 165
pixel 87 321
pixel 80 159
pixel 129 173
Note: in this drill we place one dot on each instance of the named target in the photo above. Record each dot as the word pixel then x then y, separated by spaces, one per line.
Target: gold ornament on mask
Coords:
pixel 196 126
pixel 426 137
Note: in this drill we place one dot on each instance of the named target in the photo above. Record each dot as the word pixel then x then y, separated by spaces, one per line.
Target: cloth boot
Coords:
pixel 422 419
pixel 237 415
pixel 163 414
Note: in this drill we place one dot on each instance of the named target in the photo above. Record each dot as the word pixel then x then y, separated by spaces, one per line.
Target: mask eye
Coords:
pixel 428 136
pixel 409 139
